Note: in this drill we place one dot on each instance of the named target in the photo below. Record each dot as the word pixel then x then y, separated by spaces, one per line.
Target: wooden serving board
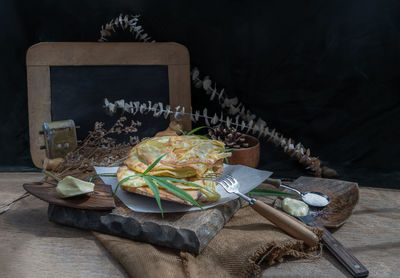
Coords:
pixel 192 231
pixel 188 231
pixel 344 197
pixel 100 199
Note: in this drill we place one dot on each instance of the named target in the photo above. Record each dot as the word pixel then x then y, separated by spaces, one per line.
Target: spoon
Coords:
pixel 312 198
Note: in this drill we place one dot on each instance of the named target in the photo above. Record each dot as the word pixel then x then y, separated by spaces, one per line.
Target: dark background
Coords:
pixel 325 73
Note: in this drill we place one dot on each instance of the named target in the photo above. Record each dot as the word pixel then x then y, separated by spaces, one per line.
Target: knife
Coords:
pixel 354 266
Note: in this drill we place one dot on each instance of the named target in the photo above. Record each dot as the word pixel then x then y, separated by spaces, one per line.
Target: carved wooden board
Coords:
pixel 189 231
pixel 192 231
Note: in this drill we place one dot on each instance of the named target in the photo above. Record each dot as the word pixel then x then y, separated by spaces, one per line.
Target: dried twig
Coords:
pixel 99 149
pixel 6 207
pixel 124 22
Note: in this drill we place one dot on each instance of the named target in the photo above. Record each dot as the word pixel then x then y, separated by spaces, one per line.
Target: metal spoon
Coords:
pixel 312 198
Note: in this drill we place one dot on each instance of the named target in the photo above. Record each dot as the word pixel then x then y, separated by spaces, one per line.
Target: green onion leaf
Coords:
pixel 201 137
pixel 212 195
pixel 199 128
pixel 181 131
pixel 102 175
pixel 125 179
pixel 269 192
pixel 154 164
pixel 176 190
pixel 51 175
pixel 185 182
pixel 156 192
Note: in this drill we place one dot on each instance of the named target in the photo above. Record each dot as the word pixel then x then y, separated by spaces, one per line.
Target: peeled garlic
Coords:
pixel 70 186
pixel 295 207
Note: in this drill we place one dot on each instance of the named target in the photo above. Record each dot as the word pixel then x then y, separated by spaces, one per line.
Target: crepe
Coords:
pixel 187 157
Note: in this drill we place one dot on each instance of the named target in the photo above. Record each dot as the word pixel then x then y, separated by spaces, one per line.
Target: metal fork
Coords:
pixel 280 219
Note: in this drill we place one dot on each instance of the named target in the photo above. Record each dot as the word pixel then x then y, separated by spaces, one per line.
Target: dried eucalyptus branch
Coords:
pixel 125 22
pixel 158 109
pixel 234 108
pixel 130 22
pixel 239 111
pixel 231 105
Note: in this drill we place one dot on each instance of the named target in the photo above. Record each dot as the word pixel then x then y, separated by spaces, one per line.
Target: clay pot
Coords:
pixel 247 156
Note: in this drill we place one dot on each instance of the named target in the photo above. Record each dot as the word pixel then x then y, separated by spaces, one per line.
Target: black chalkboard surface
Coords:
pixel 78 92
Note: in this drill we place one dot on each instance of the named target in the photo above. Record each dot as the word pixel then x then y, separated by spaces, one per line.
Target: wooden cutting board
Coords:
pixel 100 199
pixel 187 231
pixel 344 197
pixel 192 231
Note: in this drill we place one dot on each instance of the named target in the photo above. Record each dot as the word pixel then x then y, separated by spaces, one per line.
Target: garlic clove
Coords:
pixel 295 207
pixel 70 186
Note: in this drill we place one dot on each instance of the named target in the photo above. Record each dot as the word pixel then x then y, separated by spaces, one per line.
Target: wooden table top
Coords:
pixel 31 246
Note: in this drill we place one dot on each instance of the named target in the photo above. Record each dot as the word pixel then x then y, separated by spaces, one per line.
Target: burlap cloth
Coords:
pixel 246 244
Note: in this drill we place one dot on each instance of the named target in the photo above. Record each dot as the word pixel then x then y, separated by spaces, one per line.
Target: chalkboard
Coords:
pixel 71 80
pixel 78 92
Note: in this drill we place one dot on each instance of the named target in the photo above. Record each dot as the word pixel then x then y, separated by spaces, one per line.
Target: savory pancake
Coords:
pixel 187 157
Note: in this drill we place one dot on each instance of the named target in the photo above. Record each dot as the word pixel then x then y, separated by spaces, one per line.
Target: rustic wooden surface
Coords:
pixel 31 246
pixel 101 199
pixel 30 243
pixel 371 234
pixel 342 254
pixel 41 56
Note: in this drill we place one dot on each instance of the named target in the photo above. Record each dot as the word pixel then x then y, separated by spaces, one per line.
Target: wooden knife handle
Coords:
pixel 354 266
pixel 286 223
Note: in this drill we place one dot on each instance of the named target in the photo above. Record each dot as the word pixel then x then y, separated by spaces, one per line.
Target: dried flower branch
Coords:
pixel 158 109
pixel 233 106
pixel 99 148
pixel 124 22
pixel 237 109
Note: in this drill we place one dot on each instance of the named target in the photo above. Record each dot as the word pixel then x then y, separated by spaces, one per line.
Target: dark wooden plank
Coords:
pixel 344 196
pixel 100 199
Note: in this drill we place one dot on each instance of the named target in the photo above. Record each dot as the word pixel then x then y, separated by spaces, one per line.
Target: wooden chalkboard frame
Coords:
pixel 40 57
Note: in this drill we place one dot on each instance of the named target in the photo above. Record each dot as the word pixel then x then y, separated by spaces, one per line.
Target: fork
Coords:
pixel 280 219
